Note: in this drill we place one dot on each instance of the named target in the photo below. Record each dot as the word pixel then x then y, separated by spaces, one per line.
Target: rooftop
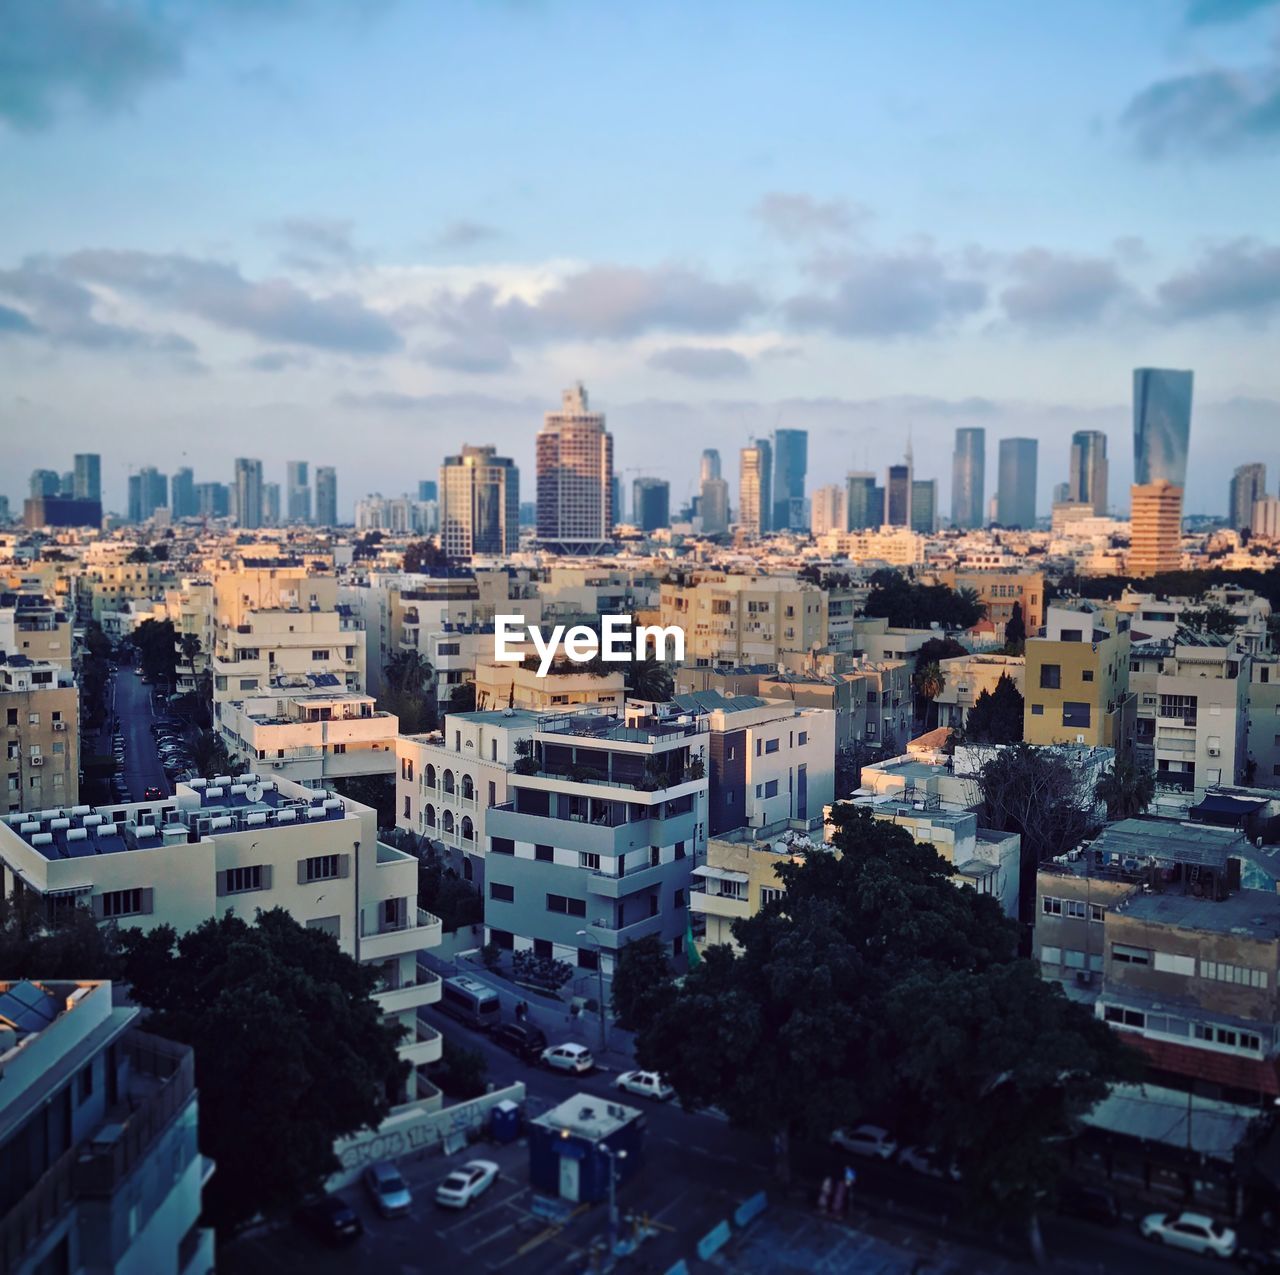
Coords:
pixel 588 1117
pixel 698 702
pixel 604 726
pixel 1253 914
pixel 1154 1114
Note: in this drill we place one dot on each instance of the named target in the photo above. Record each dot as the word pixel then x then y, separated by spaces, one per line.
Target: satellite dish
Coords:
pixel 253 792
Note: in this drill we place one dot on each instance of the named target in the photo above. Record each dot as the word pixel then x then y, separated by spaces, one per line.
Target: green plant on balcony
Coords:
pixel 526 766
pixel 581 773
pixel 696 769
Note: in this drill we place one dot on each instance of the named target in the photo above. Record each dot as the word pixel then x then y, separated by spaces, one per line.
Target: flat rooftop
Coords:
pixel 589 1117
pixel 1251 914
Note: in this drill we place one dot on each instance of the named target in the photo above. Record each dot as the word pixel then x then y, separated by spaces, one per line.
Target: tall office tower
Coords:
pixel 1016 491
pixel 182 495
pixel 898 493
pixel 270 504
pixel 619 503
pixel 480 504
pixel 1248 483
pixel 575 477
pixel 968 477
pixel 651 503
pixel 213 500
pixel 67 485
pixel 713 506
pixel 790 462
pixel 710 465
pixel 1061 493
pixel 134 506
pixel 924 505
pixel 830 509
pixel 860 502
pixel 45 482
pixel 326 496
pixel 755 488
pixel 246 497
pixel 1161 434
pixel 1087 481
pixel 299 491
pixel 88 484
pixel 148 491
pixel 428 490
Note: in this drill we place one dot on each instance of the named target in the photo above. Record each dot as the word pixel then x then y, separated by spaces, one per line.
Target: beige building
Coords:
pixel 32 625
pixel 1155 528
pixel 965 677
pixel 997 591
pixel 40 713
pixel 506 685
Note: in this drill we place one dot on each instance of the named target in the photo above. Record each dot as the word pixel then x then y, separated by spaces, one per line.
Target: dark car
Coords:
pixel 1092 1203
pixel 525 1042
pixel 331 1219
pixel 153 793
pixel 1260 1259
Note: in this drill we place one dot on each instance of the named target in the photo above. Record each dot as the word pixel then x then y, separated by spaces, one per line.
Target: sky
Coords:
pixel 366 233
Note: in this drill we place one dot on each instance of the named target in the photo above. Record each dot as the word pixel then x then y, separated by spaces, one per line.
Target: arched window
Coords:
pixel 448 781
pixel 467 832
pixel 447 822
pixel 429 815
pixel 468 788
pixel 431 776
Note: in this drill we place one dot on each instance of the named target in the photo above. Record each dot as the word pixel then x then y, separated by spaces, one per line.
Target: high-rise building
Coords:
pixel 755 488
pixel 968 477
pixel 326 496
pixel 67 484
pixel 830 509
pixel 1016 491
pixel 246 497
pixel 924 505
pixel 860 502
pixel 619 502
pixel 88 476
pixel 713 506
pixel 148 491
pixel 1061 493
pixel 1087 481
pixel 213 500
pixel 1248 483
pixel 182 495
pixel 710 467
pixel 45 482
pixel 790 463
pixel 575 477
pixel 898 493
pixel 428 490
pixel 480 505
pixel 270 504
pixel 1161 435
pixel 651 501
pixel 299 491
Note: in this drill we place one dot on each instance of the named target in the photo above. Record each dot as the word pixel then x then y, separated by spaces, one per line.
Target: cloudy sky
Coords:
pixel 364 233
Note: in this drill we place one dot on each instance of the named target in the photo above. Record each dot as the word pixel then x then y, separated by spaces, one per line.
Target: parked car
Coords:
pixel 1195 1232
pixel 524 1042
pixel 387 1189
pixel 466 1184
pixel 152 793
pixel 927 1162
pixel 1092 1203
pixel 331 1219
pixel 575 1058
pixel 1260 1259
pixel 866 1139
pixel 645 1084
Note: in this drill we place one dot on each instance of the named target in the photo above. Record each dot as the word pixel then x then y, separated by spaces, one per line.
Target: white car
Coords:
pixel 927 1162
pixel 467 1183
pixel 1196 1232
pixel 575 1058
pixel 645 1084
pixel 866 1139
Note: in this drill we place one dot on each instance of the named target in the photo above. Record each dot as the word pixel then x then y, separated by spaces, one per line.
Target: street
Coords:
pixel 131 703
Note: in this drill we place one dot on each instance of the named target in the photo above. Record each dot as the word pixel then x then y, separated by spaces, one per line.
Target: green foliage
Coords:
pixel 643 985
pixel 1126 789
pixel 408 692
pixel 366 546
pixel 937 649
pixel 376 791
pixel 445 894
pixel 540 971
pixel 157 653
pixel 291 1051
pixel 908 605
pixel 1214 619
pixel 463 1073
pixel 462 699
pixel 491 955
pixel 425 557
pixel 140 554
pixel 72 945
pixel 1015 631
pixel 928 681
pixel 209 753
pixel 997 717
pixel 649 679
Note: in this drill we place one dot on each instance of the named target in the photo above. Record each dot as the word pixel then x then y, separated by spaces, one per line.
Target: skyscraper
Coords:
pixel 710 467
pixel 213 500
pixel 862 510
pixel 148 491
pixel 898 491
pixel 326 496
pixel 45 482
pixel 1161 435
pixel 790 461
pixel 427 490
pixel 480 505
pixel 830 509
pixel 1087 480
pixel 270 504
pixel 88 480
pixel 755 488
pixel 1249 483
pixel 924 505
pixel 619 501
pixel 246 496
pixel 575 477
pixel 968 477
pixel 651 503
pixel 1016 492
pixel 299 491
pixel 182 494
pixel 713 506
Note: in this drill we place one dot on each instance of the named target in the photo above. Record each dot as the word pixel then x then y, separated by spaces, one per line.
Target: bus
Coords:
pixel 470 1002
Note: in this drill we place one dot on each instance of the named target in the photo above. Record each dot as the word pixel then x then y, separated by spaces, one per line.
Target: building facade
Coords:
pixel 575 477
pixel 968 478
pixel 480 504
pixel 755 489
pixel 1016 493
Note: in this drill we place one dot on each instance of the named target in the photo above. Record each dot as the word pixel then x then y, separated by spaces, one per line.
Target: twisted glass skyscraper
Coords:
pixel 968 477
pixel 1161 425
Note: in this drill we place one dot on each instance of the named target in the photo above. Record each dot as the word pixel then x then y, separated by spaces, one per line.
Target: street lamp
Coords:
pixel 604 1026
pixel 613 1158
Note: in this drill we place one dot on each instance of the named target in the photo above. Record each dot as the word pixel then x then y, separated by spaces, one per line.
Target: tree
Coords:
pixel 1126 789
pixel 409 692
pixel 378 792
pixel 276 1090
pixel 937 649
pixel 907 605
pixel 649 679
pixel 1214 619
pixel 209 753
pixel 996 717
pixel 929 683
pixel 156 641
pixel 540 971
pixel 1015 631
pixel 462 699
pixel 463 1073
pixel 70 944
pixel 140 554
pixel 425 557
pixel 643 985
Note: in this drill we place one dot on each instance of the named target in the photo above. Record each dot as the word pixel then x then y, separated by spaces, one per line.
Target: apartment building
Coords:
pixel 34 626
pixel 966 677
pixel 729 620
pixel 596 841
pixel 99 1167
pixel 108 586
pixel 239 844
pixel 886 699
pixel 892 546
pixel 505 685
pixel 997 591
pixel 1154 617
pixel 448 781
pixel 1078 680
pixel 770 760
pixel 191 608
pixel 1192 708
pixel 1262 762
pixel 40 717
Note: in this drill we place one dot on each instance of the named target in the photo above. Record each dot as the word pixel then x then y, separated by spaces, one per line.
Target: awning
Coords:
pixel 721 874
pixel 1219 804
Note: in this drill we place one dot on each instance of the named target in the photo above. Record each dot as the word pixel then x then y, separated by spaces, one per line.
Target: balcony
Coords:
pixel 388 941
pixel 427 1048
pixel 395 1000
pixel 725 905
pixel 613 886
pixel 614 937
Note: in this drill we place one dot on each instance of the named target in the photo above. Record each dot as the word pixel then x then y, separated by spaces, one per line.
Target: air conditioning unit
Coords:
pixel 1215 752
pixel 59 726
pixel 37 760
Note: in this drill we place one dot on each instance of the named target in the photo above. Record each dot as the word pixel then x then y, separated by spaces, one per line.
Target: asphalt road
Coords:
pixel 131 703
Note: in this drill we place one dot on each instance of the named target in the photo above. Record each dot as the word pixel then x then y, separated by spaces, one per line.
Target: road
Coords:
pixel 131 703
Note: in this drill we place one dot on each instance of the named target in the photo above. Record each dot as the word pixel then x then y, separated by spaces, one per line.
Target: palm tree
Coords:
pixel 1126 789
pixel 209 755
pixel 648 679
pixel 930 681
pixel 408 671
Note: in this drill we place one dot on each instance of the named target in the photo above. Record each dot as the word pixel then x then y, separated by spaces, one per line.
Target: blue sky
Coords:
pixel 365 233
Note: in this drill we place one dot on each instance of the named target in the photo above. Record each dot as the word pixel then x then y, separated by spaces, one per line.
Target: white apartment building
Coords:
pixel 99 1167
pixel 239 844
pixel 1161 618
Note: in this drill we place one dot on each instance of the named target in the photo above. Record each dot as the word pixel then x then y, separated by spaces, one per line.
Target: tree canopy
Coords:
pixel 642 985
pixel 907 605
pixel 408 692
pixel 155 641
pixel 1126 789
pixel 425 556
pixel 996 716
pixel 1015 631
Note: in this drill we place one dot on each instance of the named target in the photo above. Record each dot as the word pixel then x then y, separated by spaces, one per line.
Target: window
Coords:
pixel 12 716
pixel 1073 908
pixel 771 788
pixel 804 738
pixel 544 854
pixel 1097 912
pixel 1125 1017
pixel 1225 973
pixel 1050 677
pixel 331 925
pixel 321 867
pixel 679 849
pixel 1051 907
pixel 679 901
pixel 319 655
pixel 33 719
pixel 771 745
pixel 1172 963
pixel 1075 714
pixel 502 893
pixel 1087 675
pixel 769 894
pixel 565 906
pixel 122 903
pixel 1051 955
pixel 589 958
pixel 1225 1036
pixel 1124 955
pixel 1037 710
pixel 589 860
pixel 239 880
pixel 502 845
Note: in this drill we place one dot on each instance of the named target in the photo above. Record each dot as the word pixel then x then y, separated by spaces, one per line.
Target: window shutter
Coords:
pixel 266 876
pixel 148 901
pixel 221 886
pixel 344 865
pixel 302 872
pixel 98 910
